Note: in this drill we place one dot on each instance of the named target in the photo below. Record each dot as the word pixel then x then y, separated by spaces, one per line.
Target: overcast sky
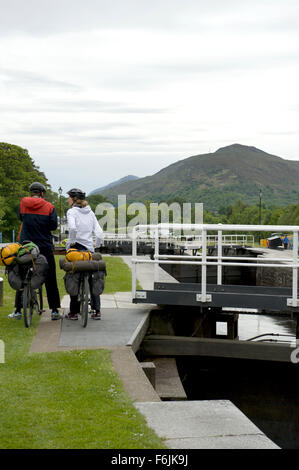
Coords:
pixel 99 89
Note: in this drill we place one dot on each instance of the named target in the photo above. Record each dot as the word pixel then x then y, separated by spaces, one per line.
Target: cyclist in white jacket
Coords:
pixel 82 223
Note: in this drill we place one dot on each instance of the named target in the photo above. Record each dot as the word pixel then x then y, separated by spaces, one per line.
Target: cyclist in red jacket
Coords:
pixel 39 218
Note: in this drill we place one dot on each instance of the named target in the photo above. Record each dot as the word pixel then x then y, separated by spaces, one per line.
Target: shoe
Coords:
pixel 71 316
pixel 16 315
pixel 96 315
pixel 55 315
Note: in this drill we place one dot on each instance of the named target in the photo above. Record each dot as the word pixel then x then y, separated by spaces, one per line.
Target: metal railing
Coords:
pixel 189 243
pixel 228 240
pixel 204 260
pixel 232 239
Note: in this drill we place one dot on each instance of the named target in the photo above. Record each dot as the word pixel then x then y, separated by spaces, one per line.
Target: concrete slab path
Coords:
pixel 207 424
pixel 270 253
pixel 114 329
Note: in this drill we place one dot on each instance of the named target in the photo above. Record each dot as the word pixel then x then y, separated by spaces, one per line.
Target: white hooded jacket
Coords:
pixel 82 223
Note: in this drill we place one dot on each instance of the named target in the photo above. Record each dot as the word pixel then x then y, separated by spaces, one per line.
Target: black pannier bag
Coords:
pixel 15 276
pixel 40 271
pixel 16 273
pixel 71 282
pixel 97 282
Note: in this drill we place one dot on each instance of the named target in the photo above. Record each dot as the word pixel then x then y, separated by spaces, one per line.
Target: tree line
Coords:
pixel 17 171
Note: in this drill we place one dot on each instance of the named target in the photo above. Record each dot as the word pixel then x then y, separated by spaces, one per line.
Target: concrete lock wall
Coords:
pixel 278 277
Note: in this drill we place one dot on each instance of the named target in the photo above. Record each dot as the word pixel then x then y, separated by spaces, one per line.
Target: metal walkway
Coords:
pixel 218 295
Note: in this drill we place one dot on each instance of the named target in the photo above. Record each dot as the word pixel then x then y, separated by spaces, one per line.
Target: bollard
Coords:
pixel 1 291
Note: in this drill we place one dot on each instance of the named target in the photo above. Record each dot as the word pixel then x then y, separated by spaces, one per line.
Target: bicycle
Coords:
pixel 83 296
pixel 32 298
pixel 83 286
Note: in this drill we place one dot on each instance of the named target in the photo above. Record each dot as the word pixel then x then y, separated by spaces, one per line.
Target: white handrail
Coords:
pixel 218 260
pixel 204 267
pixel 196 240
pixel 219 253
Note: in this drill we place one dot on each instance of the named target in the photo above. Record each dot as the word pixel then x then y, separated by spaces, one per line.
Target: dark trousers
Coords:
pixel 51 281
pixel 51 284
pixel 95 302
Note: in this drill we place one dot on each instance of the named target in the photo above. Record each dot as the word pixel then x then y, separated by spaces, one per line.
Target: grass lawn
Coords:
pixel 69 399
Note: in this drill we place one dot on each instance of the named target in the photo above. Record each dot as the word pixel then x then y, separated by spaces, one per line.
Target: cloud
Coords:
pixel 80 107
pixel 43 17
pixel 96 106
pixel 32 80
pixel 279 133
pixel 71 129
pixel 118 87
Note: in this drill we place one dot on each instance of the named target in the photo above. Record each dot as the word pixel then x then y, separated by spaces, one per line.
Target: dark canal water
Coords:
pixel 267 393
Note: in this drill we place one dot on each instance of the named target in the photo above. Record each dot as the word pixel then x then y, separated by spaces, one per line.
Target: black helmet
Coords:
pixel 75 192
pixel 37 187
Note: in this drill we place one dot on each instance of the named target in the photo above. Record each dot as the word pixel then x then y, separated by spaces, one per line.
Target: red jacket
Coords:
pixel 38 218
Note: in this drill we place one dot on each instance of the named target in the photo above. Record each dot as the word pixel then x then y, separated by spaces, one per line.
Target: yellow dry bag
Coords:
pixel 8 253
pixel 76 255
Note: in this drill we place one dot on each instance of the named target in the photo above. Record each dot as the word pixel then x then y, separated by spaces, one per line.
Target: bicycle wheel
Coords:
pixel 27 305
pixel 84 300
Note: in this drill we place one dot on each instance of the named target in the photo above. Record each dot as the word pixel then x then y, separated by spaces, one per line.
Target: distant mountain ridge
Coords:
pixel 114 183
pixel 218 179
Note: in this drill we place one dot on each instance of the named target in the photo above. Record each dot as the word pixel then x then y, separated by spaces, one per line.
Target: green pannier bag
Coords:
pixel 27 252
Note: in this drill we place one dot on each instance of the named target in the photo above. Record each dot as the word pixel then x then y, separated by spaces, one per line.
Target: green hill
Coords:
pixel 114 183
pixel 218 179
